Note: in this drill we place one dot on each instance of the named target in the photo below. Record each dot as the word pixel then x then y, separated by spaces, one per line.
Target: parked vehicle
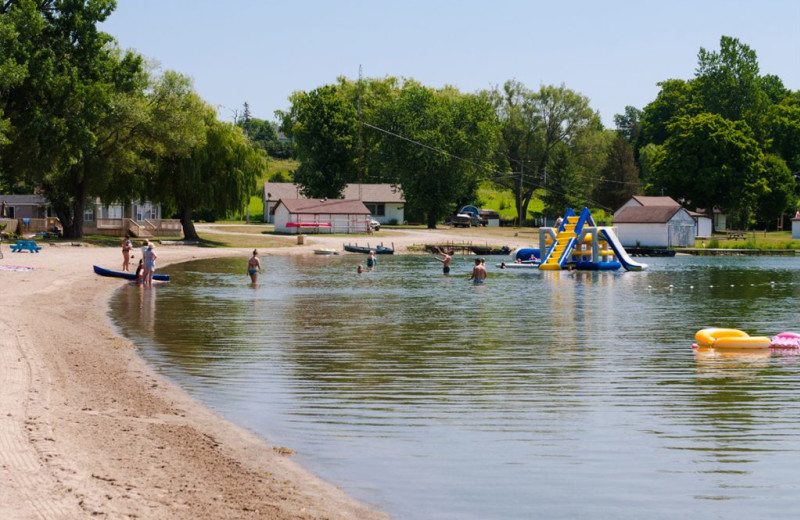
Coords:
pixel 467 220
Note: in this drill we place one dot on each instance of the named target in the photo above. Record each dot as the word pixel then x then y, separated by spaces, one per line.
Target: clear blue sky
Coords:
pixel 613 52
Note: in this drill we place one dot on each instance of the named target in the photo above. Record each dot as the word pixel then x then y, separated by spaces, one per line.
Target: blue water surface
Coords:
pixel 536 395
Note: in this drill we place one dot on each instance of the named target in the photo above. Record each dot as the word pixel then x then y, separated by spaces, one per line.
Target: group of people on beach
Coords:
pixel 147 263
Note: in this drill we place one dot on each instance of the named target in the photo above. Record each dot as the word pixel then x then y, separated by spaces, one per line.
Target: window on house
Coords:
pixel 88 214
pixel 377 210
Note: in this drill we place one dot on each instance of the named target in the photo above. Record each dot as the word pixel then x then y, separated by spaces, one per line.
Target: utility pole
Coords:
pixel 360 132
pixel 519 196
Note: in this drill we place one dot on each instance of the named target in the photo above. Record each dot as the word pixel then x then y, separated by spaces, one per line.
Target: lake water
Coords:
pixel 537 395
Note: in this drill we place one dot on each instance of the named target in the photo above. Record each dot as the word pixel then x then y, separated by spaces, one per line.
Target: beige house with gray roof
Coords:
pixel 385 202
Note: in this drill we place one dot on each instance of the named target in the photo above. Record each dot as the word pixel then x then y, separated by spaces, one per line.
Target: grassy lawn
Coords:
pixel 277 167
pixel 753 240
pixel 243 240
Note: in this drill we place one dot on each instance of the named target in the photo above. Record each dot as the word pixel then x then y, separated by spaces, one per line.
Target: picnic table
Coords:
pixel 736 235
pixel 23 245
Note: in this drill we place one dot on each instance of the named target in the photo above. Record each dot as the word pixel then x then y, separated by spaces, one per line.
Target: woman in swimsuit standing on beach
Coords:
pixel 126 252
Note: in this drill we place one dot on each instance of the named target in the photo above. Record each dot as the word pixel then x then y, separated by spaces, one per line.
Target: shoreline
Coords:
pixel 88 429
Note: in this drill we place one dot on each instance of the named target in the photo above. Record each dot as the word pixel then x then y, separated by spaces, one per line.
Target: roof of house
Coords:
pixel 25 200
pixel 274 191
pixel 646 214
pixel 374 192
pixel 325 206
pixel 281 190
pixel 655 201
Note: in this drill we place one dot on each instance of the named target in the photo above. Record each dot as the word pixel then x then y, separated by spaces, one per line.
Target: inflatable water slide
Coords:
pixel 577 243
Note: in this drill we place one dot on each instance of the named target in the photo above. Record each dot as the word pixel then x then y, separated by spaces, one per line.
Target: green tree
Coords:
pixel 533 124
pixel 780 193
pixel 324 124
pixel 620 177
pixel 11 72
pixel 629 124
pixel 728 83
pixel 437 145
pixel 519 123
pixel 711 161
pixel 76 116
pixel 219 174
pixel 566 187
pixel 783 131
pixel 675 99
pixel 647 156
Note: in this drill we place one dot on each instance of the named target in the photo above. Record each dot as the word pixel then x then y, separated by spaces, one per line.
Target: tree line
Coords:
pixel 727 139
pixel 81 118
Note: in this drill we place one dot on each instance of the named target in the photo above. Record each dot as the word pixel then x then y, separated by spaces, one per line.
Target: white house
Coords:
pixel 298 216
pixel 703 226
pixel 139 218
pixel 385 202
pixel 655 226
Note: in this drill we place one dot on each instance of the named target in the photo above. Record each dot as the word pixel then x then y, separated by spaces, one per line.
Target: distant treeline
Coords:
pixel 81 118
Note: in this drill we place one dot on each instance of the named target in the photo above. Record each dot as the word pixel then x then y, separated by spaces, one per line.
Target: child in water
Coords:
pixel 139 272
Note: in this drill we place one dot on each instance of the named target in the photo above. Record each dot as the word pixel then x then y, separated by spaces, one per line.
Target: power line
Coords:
pixel 497 173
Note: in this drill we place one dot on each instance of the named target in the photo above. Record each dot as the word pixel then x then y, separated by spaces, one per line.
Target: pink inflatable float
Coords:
pixel 786 340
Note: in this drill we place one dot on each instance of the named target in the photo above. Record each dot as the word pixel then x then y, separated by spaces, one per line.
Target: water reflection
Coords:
pixel 536 395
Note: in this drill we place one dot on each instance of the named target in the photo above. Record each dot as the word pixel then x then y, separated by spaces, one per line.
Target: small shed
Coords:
pixel 702 228
pixel 703 224
pixel 655 226
pixel 296 216
pixel 491 217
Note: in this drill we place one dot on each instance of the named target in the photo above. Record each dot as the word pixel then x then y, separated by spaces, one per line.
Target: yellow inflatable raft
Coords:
pixel 730 339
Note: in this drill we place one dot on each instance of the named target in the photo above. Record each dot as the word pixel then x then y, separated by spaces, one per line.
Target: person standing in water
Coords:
pixel 372 260
pixel 445 260
pixel 254 267
pixel 149 265
pixel 478 275
pixel 140 272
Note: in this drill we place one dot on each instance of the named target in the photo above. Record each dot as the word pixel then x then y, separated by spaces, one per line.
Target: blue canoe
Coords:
pixel 102 271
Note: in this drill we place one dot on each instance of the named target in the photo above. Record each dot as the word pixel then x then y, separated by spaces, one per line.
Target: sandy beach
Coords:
pixel 88 430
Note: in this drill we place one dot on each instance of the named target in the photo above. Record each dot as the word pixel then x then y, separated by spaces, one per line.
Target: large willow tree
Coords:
pixel 219 173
